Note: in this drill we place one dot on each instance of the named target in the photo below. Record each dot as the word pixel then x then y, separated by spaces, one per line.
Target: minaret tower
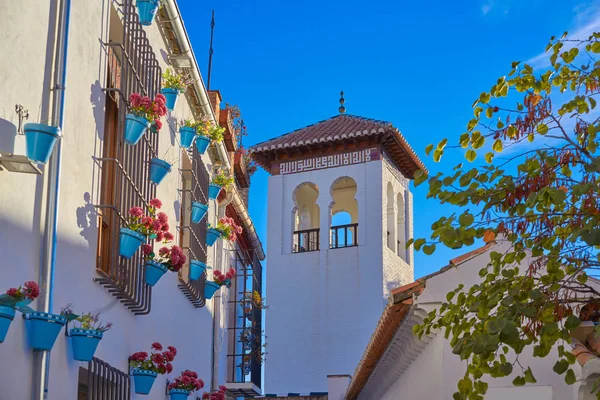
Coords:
pixel 339 216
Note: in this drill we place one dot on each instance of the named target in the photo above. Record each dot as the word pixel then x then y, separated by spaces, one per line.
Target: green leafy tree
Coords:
pixel 534 180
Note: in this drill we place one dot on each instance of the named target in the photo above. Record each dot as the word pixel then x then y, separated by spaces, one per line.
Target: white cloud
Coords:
pixel 585 22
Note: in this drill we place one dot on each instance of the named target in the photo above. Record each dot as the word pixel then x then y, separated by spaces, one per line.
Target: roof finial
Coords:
pixel 342 109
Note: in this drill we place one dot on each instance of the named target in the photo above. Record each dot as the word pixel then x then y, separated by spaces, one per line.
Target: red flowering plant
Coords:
pixel 158 361
pixel 172 258
pixel 19 298
pixel 228 228
pixel 224 279
pixel 188 380
pixel 153 225
pixel 215 395
pixel 143 106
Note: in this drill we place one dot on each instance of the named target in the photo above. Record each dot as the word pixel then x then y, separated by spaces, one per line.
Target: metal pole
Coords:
pixel 210 50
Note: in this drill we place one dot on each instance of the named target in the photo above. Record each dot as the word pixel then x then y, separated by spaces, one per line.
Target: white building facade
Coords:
pixel 329 280
pixel 110 55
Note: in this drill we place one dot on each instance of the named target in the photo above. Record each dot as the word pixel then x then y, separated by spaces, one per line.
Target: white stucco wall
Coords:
pixel 173 320
pixel 325 304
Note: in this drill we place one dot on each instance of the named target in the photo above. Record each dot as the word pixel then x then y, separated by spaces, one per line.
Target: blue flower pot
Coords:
pixel 179 394
pixel 210 289
pixel 43 329
pixel 129 242
pixel 211 236
pixel 202 143
pixel 40 141
pixel 171 96
pixel 147 11
pixel 186 136
pixel 84 342
pixel 197 268
pixel 7 314
pixel 198 211
pixel 135 127
pixel 154 271
pixel 143 380
pixel 158 170
pixel 213 191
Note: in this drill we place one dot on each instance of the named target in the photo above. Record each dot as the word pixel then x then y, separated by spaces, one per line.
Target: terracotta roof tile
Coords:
pixel 338 129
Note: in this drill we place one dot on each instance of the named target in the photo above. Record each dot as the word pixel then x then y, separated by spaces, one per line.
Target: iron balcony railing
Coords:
pixel 343 236
pixel 306 240
pixel 105 382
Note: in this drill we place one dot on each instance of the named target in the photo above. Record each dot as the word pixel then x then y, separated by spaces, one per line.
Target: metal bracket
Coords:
pixel 23 114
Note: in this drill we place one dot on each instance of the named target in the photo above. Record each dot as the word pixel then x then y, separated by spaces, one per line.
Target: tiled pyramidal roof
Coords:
pixel 337 129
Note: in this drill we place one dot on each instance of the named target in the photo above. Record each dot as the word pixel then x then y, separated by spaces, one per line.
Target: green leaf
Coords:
pixel 437 155
pixel 497 147
pixel 519 381
pixel 428 149
pixel 419 243
pixel 561 366
pixel 420 176
pixel 429 249
pixel 572 322
pixel 484 98
pixel 570 378
pixel 529 378
pixel 542 128
pixel 489 157
pixel 471 155
pixel 466 219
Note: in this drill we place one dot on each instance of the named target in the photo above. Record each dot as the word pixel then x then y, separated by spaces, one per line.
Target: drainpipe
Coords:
pixel 41 361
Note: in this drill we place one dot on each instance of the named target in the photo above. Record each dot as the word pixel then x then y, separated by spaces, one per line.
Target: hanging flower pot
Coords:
pixel 40 141
pixel 85 342
pixel 147 11
pixel 135 127
pixel 198 211
pixel 197 268
pixel 179 394
pixel 158 170
pixel 7 314
pixel 213 191
pixel 43 329
pixel 202 143
pixel 210 289
pixel 171 96
pixel 186 136
pixel 143 380
pixel 129 242
pixel 211 236
pixel 154 271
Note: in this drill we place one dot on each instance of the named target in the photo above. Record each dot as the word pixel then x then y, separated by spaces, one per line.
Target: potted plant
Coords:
pixel 246 364
pixel 158 170
pixel 167 259
pixel 215 395
pixel 86 334
pixel 219 181
pixel 144 111
pixel 147 10
pixel 173 85
pixel 219 280
pixel 185 384
pixel 209 133
pixel 40 140
pixel 187 131
pixel 197 268
pixel 199 210
pixel 146 367
pixel 226 228
pixel 16 299
pixel 140 227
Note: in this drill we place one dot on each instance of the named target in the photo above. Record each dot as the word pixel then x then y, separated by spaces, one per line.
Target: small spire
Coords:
pixel 342 109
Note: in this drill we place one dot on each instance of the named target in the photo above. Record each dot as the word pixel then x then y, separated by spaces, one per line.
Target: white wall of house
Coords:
pixel 436 371
pixel 173 320
pixel 324 304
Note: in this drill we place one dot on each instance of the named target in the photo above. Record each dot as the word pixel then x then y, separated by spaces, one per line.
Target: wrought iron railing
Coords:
pixel 306 240
pixel 343 236
pixel 133 68
pixel 194 189
pixel 106 382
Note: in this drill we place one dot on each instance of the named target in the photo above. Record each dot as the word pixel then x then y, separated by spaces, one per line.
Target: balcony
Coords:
pixel 343 236
pixel 306 240
pixel 229 137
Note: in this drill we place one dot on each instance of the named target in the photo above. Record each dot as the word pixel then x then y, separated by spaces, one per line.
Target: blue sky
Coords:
pixel 416 64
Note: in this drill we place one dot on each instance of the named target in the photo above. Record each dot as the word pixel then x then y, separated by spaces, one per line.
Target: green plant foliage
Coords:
pixel 542 198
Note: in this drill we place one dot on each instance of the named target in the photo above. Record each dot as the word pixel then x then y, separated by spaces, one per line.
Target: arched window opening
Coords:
pixel 306 218
pixel 391 223
pixel 344 214
pixel 401 226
